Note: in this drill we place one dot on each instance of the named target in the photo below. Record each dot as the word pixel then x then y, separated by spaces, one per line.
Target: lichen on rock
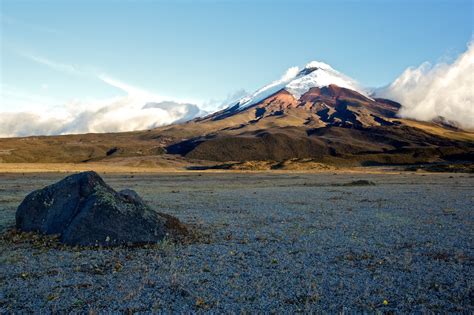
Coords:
pixel 84 210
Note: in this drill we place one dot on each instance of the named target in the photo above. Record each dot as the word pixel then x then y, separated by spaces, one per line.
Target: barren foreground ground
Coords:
pixel 271 242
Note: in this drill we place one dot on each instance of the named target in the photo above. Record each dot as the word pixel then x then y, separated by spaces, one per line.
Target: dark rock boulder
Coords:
pixel 84 210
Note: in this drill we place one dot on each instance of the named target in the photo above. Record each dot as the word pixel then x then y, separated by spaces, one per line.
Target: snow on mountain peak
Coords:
pixel 322 75
pixel 319 65
pixel 314 74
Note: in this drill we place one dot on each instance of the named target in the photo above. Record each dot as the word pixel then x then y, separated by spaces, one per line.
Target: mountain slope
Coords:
pixel 321 120
pixel 316 113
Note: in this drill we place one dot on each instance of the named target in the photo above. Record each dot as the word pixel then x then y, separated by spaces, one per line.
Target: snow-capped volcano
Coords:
pixel 298 82
pixel 313 114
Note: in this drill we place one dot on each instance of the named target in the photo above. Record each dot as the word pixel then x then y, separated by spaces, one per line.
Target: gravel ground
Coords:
pixel 272 243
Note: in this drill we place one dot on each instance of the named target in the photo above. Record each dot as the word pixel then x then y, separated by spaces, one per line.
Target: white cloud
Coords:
pixel 445 90
pixel 291 73
pixel 24 114
pixel 27 123
pixel 62 67
pixel 122 86
pixel 137 110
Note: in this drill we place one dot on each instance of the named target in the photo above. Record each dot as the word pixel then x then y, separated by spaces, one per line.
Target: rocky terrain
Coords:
pixel 281 242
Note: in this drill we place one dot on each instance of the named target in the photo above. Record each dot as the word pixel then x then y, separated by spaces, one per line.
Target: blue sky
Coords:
pixel 53 52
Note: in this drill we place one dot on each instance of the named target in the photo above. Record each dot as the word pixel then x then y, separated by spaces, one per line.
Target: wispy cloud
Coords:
pixel 58 66
pixel 129 89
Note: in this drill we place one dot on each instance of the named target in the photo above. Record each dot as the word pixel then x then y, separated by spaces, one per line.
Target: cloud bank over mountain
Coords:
pixel 443 90
pixel 137 110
